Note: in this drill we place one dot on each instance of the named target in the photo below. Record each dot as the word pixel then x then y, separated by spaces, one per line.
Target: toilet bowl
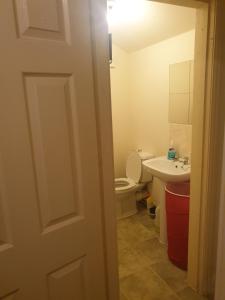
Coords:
pixel 126 188
pixel 124 184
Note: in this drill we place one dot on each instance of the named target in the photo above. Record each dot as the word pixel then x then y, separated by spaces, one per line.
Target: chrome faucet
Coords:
pixel 184 160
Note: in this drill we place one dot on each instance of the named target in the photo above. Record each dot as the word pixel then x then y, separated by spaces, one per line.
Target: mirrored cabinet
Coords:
pixel 181 81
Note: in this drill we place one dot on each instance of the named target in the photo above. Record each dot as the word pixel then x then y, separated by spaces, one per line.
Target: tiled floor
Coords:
pixel 145 271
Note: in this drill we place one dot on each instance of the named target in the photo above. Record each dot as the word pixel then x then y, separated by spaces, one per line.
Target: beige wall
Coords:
pixel 140 99
pixel 149 93
pixel 121 109
pixel 181 136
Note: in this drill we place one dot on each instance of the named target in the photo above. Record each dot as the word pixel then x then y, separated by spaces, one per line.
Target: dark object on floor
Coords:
pixel 152 211
pixel 142 204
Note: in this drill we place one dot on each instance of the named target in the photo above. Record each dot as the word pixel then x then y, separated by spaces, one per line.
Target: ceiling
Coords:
pixel 158 22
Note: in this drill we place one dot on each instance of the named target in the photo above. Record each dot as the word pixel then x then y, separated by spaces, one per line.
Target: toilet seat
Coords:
pixel 124 184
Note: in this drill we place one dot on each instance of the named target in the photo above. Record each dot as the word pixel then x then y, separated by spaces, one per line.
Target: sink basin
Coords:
pixel 168 170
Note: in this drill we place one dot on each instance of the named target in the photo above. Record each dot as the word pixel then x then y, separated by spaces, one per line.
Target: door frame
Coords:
pixel 105 141
pixel 220 274
pixel 208 115
pixel 220 45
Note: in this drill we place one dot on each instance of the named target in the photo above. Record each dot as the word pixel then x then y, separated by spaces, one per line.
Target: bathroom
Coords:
pixel 153 48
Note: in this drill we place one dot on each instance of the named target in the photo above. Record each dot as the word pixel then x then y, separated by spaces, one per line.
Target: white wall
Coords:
pixel 121 109
pixel 149 94
pixel 140 99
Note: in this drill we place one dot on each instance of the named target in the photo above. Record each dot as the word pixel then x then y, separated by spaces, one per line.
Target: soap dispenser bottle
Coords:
pixel 171 151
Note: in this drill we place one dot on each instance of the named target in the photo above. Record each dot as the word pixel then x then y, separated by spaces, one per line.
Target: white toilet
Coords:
pixel 126 188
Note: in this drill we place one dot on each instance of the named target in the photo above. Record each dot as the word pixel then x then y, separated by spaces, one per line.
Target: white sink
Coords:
pixel 168 170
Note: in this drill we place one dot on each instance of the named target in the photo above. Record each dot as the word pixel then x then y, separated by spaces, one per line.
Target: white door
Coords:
pixel 51 244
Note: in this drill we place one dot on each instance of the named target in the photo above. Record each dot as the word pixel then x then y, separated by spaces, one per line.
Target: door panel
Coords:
pixel 42 19
pixel 5 234
pixel 11 296
pixel 51 109
pixel 51 244
pixel 67 282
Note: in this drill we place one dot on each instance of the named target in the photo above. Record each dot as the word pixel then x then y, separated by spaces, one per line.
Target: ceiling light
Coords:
pixel 125 11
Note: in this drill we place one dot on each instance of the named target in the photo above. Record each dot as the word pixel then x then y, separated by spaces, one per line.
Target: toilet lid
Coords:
pixel 134 167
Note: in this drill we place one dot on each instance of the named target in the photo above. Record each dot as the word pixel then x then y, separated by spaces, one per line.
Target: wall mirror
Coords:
pixel 181 80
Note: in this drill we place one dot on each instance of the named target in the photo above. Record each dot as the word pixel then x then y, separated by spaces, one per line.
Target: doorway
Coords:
pixel 151 87
pixel 198 267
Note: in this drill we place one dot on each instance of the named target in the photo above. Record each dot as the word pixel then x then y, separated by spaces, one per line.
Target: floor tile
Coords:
pixel 144 219
pixel 172 297
pixel 134 232
pixel 153 249
pixel 123 297
pixel 145 270
pixel 189 294
pixel 145 285
pixel 131 262
pixel 173 276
